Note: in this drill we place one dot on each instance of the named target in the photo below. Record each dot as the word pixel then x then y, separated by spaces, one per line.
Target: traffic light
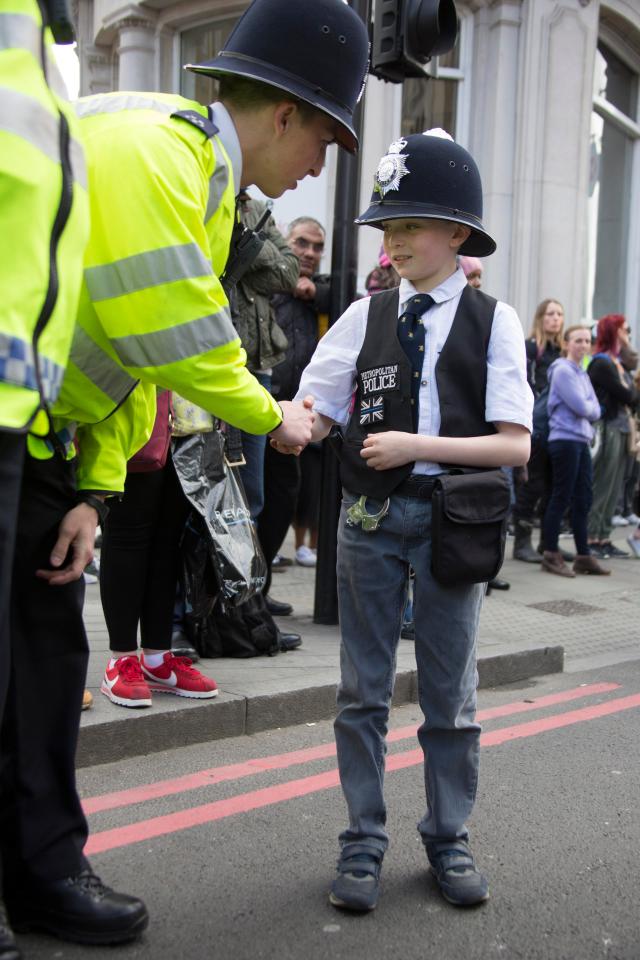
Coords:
pixel 407 33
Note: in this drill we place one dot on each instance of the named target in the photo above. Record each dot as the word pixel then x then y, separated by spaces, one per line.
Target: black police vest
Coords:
pixel 383 392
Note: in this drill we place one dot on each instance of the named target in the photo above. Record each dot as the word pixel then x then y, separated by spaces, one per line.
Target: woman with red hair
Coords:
pixel 615 395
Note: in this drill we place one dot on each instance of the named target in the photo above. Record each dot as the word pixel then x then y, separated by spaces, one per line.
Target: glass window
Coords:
pixel 611 184
pixel 197 45
pixel 613 144
pixel 429 103
pixel 615 82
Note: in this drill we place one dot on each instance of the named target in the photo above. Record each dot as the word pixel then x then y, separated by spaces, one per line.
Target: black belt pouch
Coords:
pixel 469 526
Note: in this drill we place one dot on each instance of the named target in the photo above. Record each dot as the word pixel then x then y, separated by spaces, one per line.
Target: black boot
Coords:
pixel 522 546
pixel 80 908
pixel 8 946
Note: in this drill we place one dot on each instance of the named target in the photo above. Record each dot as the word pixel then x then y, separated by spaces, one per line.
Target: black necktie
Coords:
pixel 411 337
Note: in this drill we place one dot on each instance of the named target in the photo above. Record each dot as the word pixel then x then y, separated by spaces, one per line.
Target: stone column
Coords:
pixel 493 133
pixel 136 50
pixel 552 156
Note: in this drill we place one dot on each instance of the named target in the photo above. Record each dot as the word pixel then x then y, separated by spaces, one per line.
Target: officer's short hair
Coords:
pixel 244 93
pixel 300 220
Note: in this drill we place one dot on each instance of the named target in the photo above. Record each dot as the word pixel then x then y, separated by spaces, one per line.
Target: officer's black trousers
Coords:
pixel 12 447
pixel 42 827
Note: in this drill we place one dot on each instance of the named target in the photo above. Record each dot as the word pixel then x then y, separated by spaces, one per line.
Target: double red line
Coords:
pixel 252 800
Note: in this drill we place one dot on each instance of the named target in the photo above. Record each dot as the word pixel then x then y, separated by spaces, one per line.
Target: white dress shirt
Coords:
pixel 330 376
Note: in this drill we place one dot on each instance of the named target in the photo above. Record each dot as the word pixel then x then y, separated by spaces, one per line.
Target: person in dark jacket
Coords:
pixel 292 484
pixel 275 269
pixel 616 396
pixel 532 493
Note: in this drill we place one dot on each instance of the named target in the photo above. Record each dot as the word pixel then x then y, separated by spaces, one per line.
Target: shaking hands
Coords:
pixel 295 431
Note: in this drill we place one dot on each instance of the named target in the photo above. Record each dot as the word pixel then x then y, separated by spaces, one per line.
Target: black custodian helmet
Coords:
pixel 429 175
pixel 317 50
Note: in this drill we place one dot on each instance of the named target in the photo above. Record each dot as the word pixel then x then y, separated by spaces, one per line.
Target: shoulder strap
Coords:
pixel 384 303
pixel 196 119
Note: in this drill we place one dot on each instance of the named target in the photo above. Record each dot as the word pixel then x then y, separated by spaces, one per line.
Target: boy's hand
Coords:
pixel 286 448
pixel 295 429
pixel 382 451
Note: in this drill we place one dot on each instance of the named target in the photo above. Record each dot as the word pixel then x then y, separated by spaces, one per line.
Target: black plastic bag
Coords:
pixel 245 630
pixel 215 492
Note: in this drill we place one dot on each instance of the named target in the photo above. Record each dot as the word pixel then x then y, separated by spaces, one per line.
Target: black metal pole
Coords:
pixel 344 273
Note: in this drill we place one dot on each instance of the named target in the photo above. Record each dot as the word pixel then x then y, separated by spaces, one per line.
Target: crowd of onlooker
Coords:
pixel 581 479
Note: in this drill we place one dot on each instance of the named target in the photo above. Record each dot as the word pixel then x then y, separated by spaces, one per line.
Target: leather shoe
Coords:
pixel 181 647
pixel 289 641
pixel 276 608
pixel 80 908
pixel 8 947
pixel 497 584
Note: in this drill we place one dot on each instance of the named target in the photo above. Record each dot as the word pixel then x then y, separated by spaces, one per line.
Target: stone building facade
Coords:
pixel 545 94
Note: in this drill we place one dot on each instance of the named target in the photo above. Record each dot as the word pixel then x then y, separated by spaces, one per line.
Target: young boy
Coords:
pixel 442 384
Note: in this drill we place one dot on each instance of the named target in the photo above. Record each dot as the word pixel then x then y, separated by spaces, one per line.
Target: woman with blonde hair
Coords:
pixel 543 346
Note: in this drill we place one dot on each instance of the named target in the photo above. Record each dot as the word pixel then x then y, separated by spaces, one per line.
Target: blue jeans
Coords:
pixel 252 474
pixel 373 571
pixel 571 484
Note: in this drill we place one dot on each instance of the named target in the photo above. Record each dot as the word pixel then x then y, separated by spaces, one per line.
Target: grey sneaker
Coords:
pixel 358 882
pixel 454 868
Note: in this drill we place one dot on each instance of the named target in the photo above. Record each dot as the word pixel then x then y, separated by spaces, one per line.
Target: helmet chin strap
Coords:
pixel 55 13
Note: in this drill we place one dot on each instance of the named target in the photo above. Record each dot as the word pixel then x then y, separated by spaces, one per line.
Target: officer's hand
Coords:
pixel 297 423
pixel 76 538
pixel 382 451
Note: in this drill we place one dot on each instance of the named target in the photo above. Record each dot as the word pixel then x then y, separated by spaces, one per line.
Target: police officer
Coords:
pixel 164 172
pixel 44 218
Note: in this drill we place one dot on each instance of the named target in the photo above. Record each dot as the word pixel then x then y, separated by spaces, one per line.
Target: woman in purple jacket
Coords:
pixel 573 407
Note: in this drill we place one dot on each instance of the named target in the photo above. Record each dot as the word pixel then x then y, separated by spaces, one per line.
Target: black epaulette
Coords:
pixel 196 119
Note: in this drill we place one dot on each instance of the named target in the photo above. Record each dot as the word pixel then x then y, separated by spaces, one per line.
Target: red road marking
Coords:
pixel 235 771
pixel 242 803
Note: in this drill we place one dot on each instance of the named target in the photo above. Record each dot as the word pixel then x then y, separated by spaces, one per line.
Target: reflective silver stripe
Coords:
pixel 176 343
pixel 28 119
pixel 91 106
pixel 218 183
pixel 98 366
pixel 148 269
pixel 18 31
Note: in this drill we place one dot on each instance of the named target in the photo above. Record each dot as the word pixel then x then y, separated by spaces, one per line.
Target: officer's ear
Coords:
pixel 283 115
pixel 459 235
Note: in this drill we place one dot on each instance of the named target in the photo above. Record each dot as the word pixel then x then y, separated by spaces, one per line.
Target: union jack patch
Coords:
pixel 371 410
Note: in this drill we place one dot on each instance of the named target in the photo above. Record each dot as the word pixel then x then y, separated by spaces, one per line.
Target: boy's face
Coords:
pixel 423 251
pixel 296 149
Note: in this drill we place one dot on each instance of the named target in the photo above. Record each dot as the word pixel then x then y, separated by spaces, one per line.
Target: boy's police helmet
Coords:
pixel 425 175
pixel 318 51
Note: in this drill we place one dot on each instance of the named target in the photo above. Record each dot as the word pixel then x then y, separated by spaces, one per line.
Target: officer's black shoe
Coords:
pixel 276 608
pixel 497 584
pixel 8 946
pixel 81 909
pixel 289 641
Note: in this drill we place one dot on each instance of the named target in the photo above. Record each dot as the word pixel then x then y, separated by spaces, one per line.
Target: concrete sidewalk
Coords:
pixel 541 625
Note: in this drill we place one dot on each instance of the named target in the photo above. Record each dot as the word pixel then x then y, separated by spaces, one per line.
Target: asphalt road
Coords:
pixel 232 844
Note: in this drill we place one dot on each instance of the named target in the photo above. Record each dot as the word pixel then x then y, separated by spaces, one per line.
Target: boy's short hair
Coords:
pixel 247 95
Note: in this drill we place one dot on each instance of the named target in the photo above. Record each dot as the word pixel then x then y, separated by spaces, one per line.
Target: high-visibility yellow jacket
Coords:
pixel 152 309
pixel 44 220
